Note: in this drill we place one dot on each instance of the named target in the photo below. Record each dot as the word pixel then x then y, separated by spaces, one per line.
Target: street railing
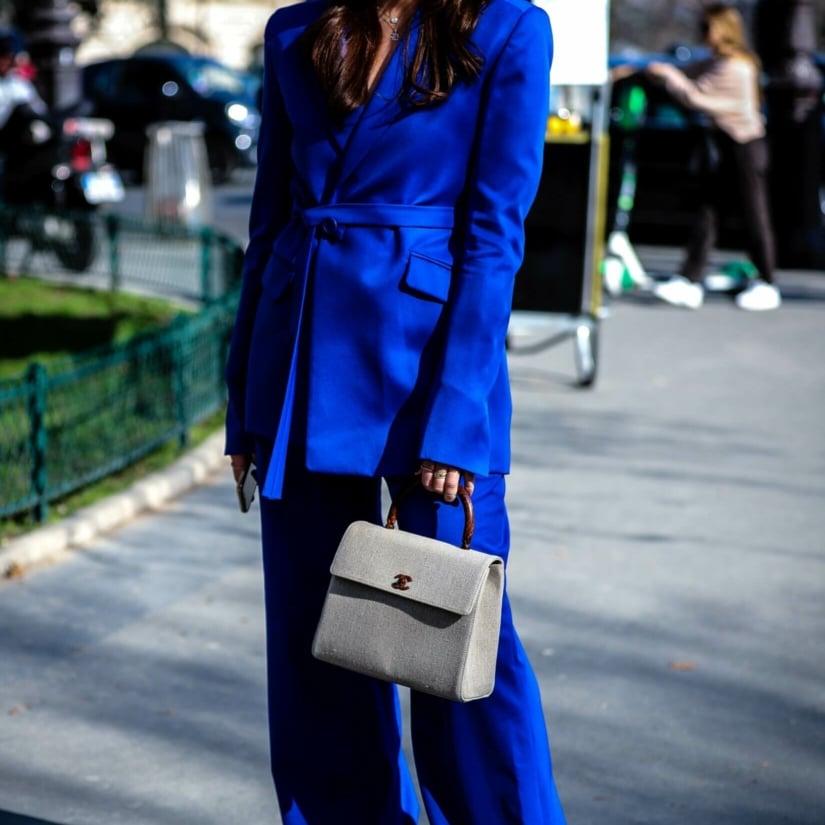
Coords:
pixel 74 421
pixel 118 252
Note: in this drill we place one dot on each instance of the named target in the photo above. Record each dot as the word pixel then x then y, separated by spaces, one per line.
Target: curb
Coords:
pixel 47 544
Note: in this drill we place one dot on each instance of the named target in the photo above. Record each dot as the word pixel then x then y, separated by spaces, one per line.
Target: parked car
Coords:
pixel 660 146
pixel 138 91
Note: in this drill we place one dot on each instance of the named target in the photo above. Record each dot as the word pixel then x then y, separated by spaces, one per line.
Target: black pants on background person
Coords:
pixel 733 174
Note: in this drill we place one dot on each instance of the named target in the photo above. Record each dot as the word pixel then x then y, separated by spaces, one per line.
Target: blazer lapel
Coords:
pixel 340 132
pixel 373 119
pixel 354 136
pixel 306 90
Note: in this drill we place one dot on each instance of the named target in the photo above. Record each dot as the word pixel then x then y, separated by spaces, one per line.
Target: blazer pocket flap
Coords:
pixel 412 567
pixel 428 277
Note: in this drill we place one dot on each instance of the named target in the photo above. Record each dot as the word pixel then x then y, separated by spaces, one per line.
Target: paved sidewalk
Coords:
pixel 668 578
pixel 49 543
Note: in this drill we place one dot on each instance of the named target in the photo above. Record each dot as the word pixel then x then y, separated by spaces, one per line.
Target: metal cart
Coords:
pixel 558 293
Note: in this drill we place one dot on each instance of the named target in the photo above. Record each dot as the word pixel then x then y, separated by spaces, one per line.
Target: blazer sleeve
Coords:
pixel 269 213
pixel 503 182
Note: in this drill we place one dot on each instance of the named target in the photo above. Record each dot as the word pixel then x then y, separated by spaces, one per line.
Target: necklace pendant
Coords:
pixel 394 36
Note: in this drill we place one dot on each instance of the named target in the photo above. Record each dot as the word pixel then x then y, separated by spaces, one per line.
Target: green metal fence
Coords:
pixel 74 421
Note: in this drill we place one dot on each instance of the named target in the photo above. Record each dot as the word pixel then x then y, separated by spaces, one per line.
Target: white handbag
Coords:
pixel 414 610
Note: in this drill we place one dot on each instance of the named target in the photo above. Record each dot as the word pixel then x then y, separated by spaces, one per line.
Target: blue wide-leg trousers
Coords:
pixel 335 736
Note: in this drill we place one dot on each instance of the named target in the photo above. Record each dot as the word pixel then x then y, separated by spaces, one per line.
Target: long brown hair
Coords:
pixel 732 39
pixel 728 23
pixel 343 43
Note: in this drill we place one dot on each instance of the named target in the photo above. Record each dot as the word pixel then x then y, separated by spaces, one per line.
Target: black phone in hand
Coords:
pixel 246 488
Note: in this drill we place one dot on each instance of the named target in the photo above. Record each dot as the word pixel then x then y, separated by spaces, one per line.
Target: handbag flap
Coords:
pixel 412 567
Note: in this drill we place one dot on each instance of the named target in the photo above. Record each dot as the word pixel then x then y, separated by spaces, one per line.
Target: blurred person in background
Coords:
pixel 17 74
pixel 726 88
pixel 21 107
pixel 23 67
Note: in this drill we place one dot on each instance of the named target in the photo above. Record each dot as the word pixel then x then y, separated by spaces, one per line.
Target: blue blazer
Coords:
pixel 383 249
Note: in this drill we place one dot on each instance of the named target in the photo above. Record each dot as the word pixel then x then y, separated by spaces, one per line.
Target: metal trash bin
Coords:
pixel 176 173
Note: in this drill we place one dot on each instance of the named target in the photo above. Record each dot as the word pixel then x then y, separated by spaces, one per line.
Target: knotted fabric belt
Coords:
pixel 330 223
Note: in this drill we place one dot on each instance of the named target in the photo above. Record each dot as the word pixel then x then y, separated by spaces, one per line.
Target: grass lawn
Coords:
pixel 42 322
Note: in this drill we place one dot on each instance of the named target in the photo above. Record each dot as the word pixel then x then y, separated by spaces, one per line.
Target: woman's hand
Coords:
pixel 443 479
pixel 658 71
pixel 240 464
pixel 621 72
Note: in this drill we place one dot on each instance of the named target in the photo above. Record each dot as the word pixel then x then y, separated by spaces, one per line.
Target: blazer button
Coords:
pixel 330 229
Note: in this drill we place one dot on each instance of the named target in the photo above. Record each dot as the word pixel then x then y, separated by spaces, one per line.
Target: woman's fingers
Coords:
pixel 239 465
pixel 426 471
pixel 618 73
pixel 444 480
pixel 449 483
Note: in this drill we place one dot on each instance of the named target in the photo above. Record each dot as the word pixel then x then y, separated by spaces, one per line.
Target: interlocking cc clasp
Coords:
pixel 402 582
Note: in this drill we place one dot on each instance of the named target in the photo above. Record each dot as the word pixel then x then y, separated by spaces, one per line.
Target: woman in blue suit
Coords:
pixel 400 150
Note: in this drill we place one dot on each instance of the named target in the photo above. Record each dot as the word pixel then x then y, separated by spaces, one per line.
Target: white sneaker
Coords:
pixel 613 273
pixel 680 292
pixel 759 295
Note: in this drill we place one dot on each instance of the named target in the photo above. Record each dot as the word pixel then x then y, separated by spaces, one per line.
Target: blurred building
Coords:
pixel 230 29
pixel 226 29
pixel 657 25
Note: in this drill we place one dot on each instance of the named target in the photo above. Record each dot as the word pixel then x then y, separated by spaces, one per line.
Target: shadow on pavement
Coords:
pixel 141 665
pixel 9 818
pixel 645 696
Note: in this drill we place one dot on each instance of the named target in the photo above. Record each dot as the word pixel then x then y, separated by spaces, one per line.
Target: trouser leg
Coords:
pixel 485 762
pixel 752 169
pixel 335 736
pixel 702 241
pixel 703 233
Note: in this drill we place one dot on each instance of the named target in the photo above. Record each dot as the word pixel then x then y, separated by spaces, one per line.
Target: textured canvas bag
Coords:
pixel 414 610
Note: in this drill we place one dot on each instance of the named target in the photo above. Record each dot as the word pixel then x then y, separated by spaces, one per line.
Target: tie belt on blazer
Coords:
pixel 329 223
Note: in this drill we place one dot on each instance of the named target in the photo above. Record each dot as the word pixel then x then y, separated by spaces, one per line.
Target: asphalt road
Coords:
pixel 229 204
pixel 668 579
pixel 147 263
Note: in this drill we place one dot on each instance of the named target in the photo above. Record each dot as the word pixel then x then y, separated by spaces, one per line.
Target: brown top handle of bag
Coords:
pixel 466 501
